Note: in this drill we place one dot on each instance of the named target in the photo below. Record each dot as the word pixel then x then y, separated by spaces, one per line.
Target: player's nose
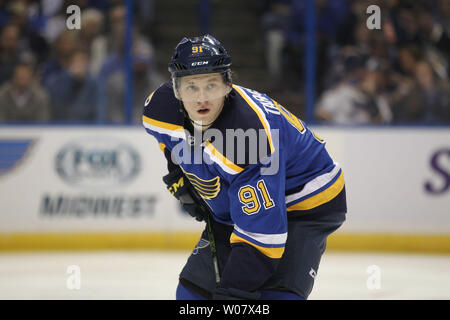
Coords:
pixel 202 96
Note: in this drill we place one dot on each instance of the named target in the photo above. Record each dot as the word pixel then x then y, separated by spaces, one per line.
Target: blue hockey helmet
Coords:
pixel 199 55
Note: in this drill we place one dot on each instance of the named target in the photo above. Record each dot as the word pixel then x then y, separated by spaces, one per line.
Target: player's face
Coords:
pixel 203 96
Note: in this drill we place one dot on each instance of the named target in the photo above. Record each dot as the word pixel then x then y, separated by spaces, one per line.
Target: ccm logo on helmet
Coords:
pixel 199 63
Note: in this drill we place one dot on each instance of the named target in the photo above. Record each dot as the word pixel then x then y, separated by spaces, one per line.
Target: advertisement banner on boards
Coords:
pixel 108 179
pixel 77 179
pixel 397 179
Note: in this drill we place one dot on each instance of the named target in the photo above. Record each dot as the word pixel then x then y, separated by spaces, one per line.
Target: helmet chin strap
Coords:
pixel 207 125
pixel 186 115
pixel 201 125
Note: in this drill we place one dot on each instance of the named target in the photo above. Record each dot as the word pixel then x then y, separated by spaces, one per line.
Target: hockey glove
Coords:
pixel 180 187
pixel 175 181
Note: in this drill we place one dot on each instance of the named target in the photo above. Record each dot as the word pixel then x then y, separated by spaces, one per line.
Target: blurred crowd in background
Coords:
pixel 392 75
pixel 396 74
pixel 51 73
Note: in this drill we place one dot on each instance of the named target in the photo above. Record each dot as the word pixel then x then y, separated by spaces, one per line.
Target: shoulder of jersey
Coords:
pixel 248 113
pixel 162 106
pixel 248 120
pixel 242 113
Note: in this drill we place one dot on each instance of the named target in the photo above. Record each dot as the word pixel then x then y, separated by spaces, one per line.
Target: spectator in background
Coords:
pixel 443 13
pixel 405 23
pixel 92 40
pixel 432 32
pixel 402 74
pixel 9 51
pixel 74 92
pixel 413 45
pixel 55 19
pixel 146 80
pixel 285 33
pixel 63 49
pixel 427 101
pixel 29 37
pixel 145 17
pixel 55 15
pixel 434 41
pixel 408 57
pixel 115 42
pixel 22 100
pixel 343 57
pixel 358 98
pixel 112 76
pixel 274 24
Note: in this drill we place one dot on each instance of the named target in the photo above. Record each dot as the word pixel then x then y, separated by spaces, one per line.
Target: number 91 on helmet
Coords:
pixel 200 69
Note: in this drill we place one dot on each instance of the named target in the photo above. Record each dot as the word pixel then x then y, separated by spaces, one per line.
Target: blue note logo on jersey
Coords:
pixel 203 243
pixel 13 152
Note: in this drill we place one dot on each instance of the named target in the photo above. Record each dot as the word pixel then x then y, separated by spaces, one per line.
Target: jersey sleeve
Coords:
pixel 161 120
pixel 258 211
pixel 171 166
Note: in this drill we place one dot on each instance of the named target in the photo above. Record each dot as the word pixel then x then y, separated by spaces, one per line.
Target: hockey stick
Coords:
pixel 212 243
pixel 212 247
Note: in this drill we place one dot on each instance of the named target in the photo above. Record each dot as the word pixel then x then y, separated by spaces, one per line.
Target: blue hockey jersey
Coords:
pixel 259 166
pixel 293 174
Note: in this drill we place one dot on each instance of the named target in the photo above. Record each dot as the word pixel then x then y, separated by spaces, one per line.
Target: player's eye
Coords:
pixel 191 88
pixel 211 86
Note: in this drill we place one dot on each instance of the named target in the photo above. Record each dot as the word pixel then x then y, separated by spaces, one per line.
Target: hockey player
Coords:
pixel 262 180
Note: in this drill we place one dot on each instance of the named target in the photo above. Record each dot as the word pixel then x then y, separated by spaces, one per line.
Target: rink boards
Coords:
pixel 83 187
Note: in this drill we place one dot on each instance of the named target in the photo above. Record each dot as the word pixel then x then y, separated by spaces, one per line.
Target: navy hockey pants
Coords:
pixel 297 270
pixel 184 293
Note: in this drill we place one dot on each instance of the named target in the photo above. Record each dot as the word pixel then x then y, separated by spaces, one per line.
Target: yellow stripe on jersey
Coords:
pixel 162 125
pixel 149 98
pixel 162 146
pixel 260 115
pixel 216 153
pixel 290 117
pixel 274 253
pixel 318 138
pixel 322 197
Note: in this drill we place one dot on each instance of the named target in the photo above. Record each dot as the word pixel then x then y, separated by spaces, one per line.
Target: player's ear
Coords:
pixel 229 88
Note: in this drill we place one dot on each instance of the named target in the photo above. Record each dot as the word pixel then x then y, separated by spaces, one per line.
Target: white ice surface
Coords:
pixel 154 275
